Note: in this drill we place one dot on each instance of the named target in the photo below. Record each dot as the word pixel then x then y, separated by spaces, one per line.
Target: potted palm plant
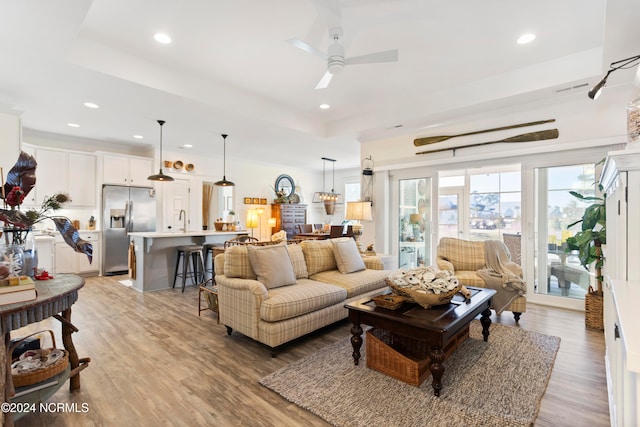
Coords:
pixel 588 242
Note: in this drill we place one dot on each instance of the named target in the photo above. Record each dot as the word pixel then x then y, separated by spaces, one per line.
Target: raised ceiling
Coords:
pixel 230 70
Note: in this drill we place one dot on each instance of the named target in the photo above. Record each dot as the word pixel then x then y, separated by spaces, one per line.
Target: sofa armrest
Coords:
pixel 240 301
pixel 373 263
pixel 443 264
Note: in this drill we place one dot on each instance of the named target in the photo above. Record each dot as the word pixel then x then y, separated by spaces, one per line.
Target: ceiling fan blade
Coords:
pixel 307 48
pixel 385 56
pixel 324 81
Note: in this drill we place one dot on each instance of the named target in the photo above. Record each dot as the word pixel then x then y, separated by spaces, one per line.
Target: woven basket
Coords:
pixel 391 302
pixel 425 300
pixel 28 378
pixel 593 311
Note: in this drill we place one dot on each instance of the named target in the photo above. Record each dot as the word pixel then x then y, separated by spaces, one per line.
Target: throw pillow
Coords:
pixel 236 263
pixel 347 256
pixel 297 260
pixel 318 255
pixel 272 265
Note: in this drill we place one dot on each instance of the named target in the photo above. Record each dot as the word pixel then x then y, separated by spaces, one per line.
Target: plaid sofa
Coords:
pixel 276 315
pixel 464 258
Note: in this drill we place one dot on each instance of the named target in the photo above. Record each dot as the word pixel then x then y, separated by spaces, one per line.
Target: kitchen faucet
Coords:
pixel 183 216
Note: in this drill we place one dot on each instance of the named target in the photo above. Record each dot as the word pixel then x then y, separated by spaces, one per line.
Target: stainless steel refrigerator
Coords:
pixel 124 210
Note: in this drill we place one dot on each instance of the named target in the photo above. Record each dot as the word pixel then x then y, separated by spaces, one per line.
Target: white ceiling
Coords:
pixel 230 69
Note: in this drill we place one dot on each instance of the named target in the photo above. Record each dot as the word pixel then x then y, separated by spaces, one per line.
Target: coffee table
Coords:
pixel 436 326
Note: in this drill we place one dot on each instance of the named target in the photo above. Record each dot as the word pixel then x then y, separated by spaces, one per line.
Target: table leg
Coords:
pixel 67 341
pixel 437 369
pixel 7 420
pixel 485 320
pixel 356 342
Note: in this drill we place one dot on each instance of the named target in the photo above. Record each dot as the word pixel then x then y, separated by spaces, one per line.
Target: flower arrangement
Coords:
pixel 21 179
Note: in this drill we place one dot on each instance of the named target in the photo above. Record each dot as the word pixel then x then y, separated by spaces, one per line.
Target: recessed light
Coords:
pixel 162 38
pixel 73 125
pixel 91 105
pixel 187 145
pixel 526 38
pixel 138 136
pixel 325 106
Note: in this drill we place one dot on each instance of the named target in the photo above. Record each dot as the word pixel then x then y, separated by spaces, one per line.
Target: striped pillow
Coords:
pixel 318 254
pixel 297 260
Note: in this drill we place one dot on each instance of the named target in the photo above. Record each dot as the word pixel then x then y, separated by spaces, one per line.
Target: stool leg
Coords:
pixel 204 272
pixel 175 275
pixel 185 269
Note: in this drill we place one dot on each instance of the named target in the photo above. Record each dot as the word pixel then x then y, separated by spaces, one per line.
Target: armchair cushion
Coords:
pixel 272 265
pixel 347 256
pixel 462 254
pixel 307 296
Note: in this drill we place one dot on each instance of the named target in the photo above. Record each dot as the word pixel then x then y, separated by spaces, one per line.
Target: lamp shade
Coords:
pixel 360 211
pixel 415 219
pixel 252 218
pixel 160 176
pixel 271 222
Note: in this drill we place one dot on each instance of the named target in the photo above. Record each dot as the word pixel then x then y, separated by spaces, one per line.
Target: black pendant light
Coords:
pixel 160 176
pixel 223 182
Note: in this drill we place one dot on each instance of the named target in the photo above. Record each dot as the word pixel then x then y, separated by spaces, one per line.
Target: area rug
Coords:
pixel 494 383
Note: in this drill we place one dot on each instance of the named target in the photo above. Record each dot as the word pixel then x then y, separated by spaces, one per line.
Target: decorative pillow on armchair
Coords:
pixel 347 256
pixel 272 265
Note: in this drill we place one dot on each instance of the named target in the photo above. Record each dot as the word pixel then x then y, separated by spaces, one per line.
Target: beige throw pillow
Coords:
pixel 297 260
pixel 347 256
pixel 236 263
pixel 272 265
pixel 318 255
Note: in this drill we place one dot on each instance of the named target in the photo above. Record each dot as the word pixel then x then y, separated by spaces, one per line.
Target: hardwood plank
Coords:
pixel 155 362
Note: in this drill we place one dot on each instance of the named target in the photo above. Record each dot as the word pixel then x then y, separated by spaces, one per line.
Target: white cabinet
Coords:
pixel 125 170
pixel 45 251
pixel 621 182
pixel 65 172
pixel 69 261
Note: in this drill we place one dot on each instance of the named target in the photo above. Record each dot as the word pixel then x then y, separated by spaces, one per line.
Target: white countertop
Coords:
pixel 157 234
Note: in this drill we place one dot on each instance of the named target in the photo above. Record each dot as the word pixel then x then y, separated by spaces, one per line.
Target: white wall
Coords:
pixel 582 123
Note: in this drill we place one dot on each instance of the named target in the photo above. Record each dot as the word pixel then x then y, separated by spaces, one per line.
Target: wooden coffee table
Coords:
pixel 436 326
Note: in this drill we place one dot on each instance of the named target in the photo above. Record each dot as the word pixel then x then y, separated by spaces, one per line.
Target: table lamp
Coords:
pixel 358 211
pixel 252 219
pixel 416 220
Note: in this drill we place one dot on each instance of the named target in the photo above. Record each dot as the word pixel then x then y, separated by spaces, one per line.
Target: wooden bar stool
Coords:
pixel 196 272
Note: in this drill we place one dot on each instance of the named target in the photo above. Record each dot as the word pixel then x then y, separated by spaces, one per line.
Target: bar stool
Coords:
pixel 195 253
pixel 212 249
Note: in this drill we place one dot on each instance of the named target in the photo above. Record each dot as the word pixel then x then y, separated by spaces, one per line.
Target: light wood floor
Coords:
pixel 155 362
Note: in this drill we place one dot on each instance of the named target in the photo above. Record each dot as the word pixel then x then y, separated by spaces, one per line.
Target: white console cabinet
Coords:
pixel 621 182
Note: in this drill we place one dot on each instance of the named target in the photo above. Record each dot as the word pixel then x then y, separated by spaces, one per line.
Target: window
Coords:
pixel 352 192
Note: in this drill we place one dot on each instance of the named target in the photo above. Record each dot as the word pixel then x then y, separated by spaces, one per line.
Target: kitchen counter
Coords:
pixel 156 254
pixel 203 233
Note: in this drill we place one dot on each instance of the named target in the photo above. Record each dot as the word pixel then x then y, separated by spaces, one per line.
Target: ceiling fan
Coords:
pixel 335 56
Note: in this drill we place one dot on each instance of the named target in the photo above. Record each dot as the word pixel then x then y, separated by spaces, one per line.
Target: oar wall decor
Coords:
pixel 433 139
pixel 525 137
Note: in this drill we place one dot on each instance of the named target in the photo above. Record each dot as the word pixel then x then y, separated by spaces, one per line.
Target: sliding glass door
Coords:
pixel 558 272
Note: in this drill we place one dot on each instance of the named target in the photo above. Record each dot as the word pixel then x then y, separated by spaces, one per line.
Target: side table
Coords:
pixel 55 298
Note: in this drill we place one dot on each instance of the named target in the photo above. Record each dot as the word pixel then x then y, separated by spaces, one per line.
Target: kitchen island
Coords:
pixel 155 254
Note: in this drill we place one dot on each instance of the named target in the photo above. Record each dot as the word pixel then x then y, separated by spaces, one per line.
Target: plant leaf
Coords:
pixel 22 174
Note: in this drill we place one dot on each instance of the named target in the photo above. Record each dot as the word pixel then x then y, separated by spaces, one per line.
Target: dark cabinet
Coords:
pixel 288 216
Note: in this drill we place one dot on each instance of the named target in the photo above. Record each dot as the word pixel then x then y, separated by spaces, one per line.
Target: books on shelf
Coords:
pixel 25 291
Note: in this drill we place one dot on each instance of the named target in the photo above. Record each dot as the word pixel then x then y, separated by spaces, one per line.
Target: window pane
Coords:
pixel 510 181
pixel 451 181
pixel 484 183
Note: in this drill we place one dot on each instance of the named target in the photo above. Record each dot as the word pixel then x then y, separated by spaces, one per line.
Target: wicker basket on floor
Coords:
pixel 33 377
pixel 593 310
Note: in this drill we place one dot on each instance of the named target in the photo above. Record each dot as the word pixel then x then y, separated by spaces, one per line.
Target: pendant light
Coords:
pixel 328 198
pixel 223 182
pixel 160 176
